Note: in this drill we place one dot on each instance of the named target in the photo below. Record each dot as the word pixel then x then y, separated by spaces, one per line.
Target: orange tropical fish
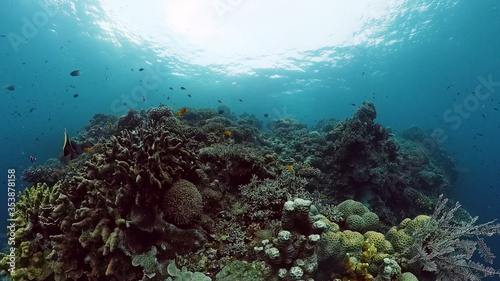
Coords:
pixel 323 196
pixel 87 149
pixel 289 169
pixel 227 133
pixel 182 111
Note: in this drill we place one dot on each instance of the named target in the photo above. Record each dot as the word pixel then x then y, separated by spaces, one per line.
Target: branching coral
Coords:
pixel 441 245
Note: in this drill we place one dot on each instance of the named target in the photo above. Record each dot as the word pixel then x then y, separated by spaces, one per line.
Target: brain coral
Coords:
pixel 183 203
pixel 357 217
pixel 351 207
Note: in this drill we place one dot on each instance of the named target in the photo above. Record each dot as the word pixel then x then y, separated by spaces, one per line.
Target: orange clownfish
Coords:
pixel 182 111
pixel 289 169
pixel 227 133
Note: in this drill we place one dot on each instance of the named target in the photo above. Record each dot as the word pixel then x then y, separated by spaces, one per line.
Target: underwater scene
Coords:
pixel 249 140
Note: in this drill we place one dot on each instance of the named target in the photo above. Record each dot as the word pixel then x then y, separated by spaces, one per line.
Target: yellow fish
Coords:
pixel 182 111
pixel 227 133
pixel 111 125
pixel 289 169
pixel 70 165
pixel 87 149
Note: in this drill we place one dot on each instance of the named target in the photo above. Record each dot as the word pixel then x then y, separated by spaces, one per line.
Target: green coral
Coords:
pixel 148 262
pixel 36 203
pixel 36 267
pixel 335 245
pixel 401 236
pixel 242 270
pixel 357 217
pixel 183 274
pixel 356 270
pixel 378 240
pixel 407 276
pixel 183 203
pixel 351 207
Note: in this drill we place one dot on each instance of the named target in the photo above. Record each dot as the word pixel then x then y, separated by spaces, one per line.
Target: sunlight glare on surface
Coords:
pixel 253 33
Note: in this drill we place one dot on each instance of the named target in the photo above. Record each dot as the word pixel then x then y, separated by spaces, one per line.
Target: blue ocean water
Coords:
pixel 434 64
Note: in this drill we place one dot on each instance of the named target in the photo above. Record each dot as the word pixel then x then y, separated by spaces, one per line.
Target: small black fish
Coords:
pixel 449 86
pixel 495 108
pixel 241 100
pixel 479 134
pixel 483 116
pixel 10 87
pixel 143 98
pixel 37 139
pixel 141 69
pixel 170 88
pixel 75 95
pixel 353 104
pixel 75 73
pixel 31 109
pixel 168 98
pixel 221 111
pixel 189 95
pixel 266 115
pixel 182 88
pixel 32 158
pixel 1 35
pixel 46 61
pixel 219 101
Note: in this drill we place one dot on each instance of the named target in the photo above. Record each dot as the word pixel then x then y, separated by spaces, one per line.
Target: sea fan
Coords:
pixel 441 245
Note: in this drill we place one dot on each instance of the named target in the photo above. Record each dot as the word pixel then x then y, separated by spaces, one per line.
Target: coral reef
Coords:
pixel 50 173
pixel 100 126
pixel 213 195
